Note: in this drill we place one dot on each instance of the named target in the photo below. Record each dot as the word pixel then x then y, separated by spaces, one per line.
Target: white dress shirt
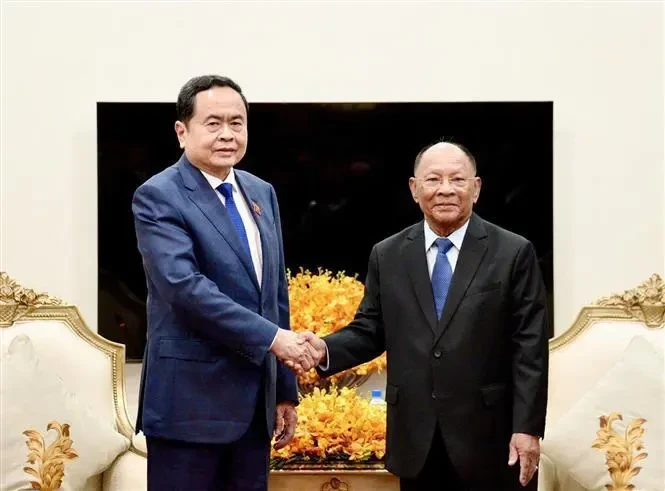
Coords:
pixel 431 250
pixel 252 230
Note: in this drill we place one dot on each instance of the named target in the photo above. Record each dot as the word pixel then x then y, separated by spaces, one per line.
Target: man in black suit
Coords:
pixel 459 306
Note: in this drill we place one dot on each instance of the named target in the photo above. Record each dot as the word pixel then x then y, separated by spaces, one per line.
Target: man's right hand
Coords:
pixel 317 346
pixel 294 350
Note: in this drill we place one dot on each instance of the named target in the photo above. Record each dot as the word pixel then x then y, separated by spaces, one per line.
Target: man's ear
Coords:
pixel 181 132
pixel 413 187
pixel 476 189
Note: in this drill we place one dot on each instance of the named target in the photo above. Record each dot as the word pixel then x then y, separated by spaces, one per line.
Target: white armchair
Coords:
pixel 62 388
pixel 64 423
pixel 607 396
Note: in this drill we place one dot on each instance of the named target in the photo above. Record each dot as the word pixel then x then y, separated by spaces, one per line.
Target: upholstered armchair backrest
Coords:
pixel 598 338
pixel 88 364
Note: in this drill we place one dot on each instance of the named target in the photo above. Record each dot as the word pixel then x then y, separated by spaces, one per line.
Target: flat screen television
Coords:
pixel 341 174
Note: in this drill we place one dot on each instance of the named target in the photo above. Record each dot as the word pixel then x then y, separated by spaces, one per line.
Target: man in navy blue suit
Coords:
pixel 214 388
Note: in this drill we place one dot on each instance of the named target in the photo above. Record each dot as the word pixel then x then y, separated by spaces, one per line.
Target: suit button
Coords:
pixel 433 395
pixel 437 354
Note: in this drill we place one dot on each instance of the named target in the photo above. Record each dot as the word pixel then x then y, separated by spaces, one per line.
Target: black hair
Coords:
pixel 466 151
pixel 187 95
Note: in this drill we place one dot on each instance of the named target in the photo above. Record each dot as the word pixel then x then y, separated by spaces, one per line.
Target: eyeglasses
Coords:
pixel 432 183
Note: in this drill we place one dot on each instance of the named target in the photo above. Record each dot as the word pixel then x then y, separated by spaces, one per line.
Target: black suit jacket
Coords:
pixel 480 372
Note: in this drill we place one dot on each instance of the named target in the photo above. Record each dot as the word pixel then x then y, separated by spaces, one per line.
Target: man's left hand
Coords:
pixel 526 448
pixel 286 419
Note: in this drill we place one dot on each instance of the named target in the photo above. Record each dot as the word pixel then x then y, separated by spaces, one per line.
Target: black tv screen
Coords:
pixel 341 174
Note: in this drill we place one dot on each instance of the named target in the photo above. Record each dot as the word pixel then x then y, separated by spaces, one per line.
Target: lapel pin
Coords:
pixel 256 208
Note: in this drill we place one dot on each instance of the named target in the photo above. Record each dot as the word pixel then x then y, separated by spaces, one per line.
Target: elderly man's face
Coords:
pixel 215 138
pixel 445 187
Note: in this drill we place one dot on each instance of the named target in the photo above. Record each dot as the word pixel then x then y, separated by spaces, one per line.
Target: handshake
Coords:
pixel 299 351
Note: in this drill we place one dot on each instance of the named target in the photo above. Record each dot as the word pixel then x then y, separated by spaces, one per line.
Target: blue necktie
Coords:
pixel 441 275
pixel 226 188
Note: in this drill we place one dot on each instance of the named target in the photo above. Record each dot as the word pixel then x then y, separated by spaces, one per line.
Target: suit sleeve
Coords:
pixel 287 388
pixel 364 338
pixel 170 264
pixel 530 344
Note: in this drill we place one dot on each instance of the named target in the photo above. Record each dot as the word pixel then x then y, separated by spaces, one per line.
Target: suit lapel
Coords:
pixel 256 212
pixel 473 250
pixel 206 199
pixel 416 264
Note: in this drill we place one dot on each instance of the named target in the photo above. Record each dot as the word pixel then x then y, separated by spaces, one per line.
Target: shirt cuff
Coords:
pixel 325 367
pixel 273 340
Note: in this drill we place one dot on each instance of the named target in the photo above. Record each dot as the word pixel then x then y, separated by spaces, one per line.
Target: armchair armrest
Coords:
pixel 553 477
pixel 546 474
pixel 139 445
pixel 129 472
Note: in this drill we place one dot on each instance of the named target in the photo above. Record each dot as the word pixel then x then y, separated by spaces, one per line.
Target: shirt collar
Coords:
pixel 216 181
pixel 457 237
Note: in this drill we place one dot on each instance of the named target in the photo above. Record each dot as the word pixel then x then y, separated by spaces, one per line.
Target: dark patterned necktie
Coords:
pixel 441 275
pixel 226 188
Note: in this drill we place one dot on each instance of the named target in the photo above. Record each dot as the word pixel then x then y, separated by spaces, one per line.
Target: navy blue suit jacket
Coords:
pixel 210 326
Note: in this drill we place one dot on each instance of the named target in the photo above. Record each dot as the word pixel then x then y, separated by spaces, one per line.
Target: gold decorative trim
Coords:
pixel 622 452
pixel 46 463
pixel 646 302
pixel 335 483
pixel 16 301
pixel 632 309
pixel 50 308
